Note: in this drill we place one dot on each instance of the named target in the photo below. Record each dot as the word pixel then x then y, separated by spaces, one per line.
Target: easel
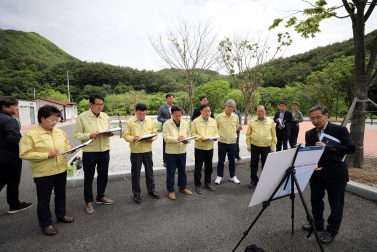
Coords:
pixel 289 174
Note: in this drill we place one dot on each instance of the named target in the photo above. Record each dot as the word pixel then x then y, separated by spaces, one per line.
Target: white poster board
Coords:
pixel 275 167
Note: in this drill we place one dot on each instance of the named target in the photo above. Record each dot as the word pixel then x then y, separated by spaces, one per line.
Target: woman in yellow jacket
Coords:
pixel 43 147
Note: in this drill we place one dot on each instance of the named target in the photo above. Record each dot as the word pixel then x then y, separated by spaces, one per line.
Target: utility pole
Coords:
pixel 69 78
pixel 69 97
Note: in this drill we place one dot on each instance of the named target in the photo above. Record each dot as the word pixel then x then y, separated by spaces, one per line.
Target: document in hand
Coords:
pixel 79 146
pixel 330 140
pixel 145 137
pixel 213 138
pixel 188 138
pixel 111 130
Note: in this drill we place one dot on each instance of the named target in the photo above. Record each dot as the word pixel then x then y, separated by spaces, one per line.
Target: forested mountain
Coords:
pixel 30 62
pixel 297 67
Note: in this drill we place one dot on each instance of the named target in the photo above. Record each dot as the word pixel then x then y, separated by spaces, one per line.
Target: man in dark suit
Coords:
pixel 203 100
pixel 164 114
pixel 283 119
pixel 331 174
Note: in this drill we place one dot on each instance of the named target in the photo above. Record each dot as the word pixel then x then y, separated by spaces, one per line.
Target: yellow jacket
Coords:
pixel 227 127
pixel 133 128
pixel 87 123
pixel 171 134
pixel 200 128
pixel 261 134
pixel 35 146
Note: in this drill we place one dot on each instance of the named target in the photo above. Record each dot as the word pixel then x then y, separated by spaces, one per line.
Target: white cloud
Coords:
pixel 116 31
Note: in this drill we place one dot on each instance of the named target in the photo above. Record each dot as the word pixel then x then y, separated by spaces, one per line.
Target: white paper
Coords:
pixel 329 137
pixel 275 167
pixel 79 146
pixel 213 138
pixel 111 130
pixel 188 138
pixel 147 137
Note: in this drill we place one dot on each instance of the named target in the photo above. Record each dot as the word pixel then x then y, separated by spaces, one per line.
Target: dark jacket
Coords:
pixel 164 113
pixel 333 171
pixel 9 137
pixel 287 121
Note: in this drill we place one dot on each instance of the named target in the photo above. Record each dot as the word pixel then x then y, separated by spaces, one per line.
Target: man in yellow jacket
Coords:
pixel 203 128
pixel 227 123
pixel 89 125
pixel 260 140
pixel 140 132
pixel 175 131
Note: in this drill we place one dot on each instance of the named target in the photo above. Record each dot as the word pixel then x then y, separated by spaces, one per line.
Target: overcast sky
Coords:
pixel 116 31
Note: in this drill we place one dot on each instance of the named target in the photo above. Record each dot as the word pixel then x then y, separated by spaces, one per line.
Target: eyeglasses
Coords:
pixel 99 104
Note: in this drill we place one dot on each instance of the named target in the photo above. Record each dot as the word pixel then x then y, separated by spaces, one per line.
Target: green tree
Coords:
pixel 83 105
pixel 247 62
pixel 216 92
pixel 52 95
pixel 365 74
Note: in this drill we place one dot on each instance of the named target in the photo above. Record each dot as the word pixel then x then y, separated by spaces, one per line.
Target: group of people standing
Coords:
pixel 45 147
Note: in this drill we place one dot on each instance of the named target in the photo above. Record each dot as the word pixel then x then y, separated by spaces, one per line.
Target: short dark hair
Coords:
pixel 296 103
pixel 175 108
pixel 47 111
pixel 283 102
pixel 7 102
pixel 168 95
pixel 320 107
pixel 92 98
pixel 202 97
pixel 203 106
pixel 141 107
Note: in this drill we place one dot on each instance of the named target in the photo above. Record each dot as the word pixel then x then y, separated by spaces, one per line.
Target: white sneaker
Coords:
pixel 234 180
pixel 218 180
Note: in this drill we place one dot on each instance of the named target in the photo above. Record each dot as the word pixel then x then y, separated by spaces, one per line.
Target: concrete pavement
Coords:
pixel 212 221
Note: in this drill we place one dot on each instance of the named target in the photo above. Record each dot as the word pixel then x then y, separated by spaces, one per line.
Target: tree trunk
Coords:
pixel 357 128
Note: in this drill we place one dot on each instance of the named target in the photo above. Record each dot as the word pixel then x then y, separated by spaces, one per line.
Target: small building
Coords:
pixel 69 108
pixel 27 112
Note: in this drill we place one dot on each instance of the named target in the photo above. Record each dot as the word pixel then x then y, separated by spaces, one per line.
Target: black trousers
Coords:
pixel 257 151
pixel 200 157
pixel 163 151
pixel 237 153
pixel 44 187
pixel 282 136
pixel 335 194
pixel 10 175
pixel 137 159
pixel 293 135
pixel 90 160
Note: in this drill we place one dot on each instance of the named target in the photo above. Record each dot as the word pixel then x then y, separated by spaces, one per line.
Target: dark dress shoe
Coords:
pixel 326 238
pixel 66 219
pixel 308 227
pixel 238 158
pixel 253 184
pixel 154 194
pixel 50 230
pixel 164 164
pixel 209 187
pixel 137 199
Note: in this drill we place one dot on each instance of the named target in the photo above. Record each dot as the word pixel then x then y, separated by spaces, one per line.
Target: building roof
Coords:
pixel 57 102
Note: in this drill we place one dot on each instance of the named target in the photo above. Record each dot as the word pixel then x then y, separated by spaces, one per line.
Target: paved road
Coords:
pixel 213 221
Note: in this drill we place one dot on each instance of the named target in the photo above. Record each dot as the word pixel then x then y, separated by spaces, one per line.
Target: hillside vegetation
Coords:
pixel 30 62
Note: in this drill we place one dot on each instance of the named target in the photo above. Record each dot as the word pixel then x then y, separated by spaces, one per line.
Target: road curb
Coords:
pixel 365 191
